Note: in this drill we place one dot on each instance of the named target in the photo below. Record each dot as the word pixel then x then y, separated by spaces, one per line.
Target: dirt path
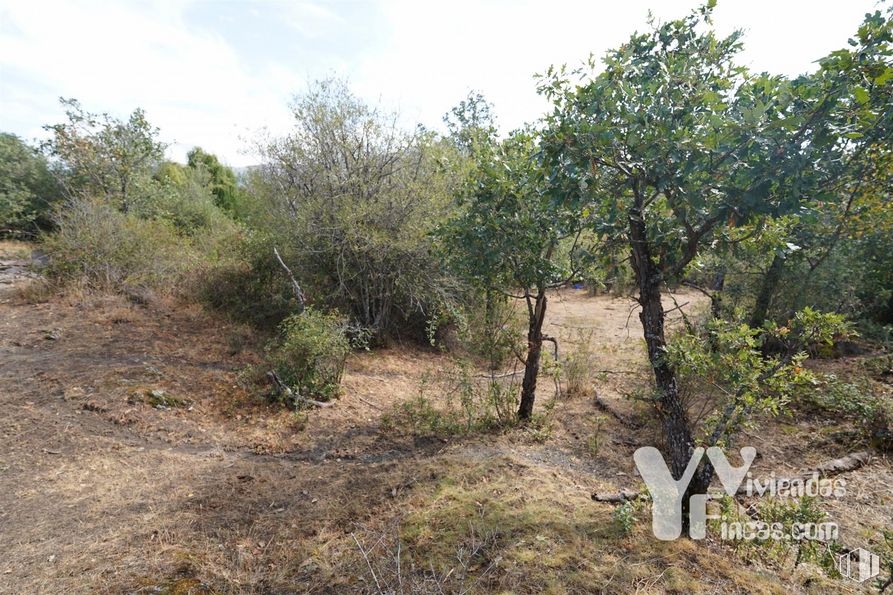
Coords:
pixel 102 491
pixel 99 489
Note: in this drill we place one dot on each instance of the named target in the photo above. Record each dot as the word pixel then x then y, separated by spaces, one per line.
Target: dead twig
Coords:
pixel 296 288
pixel 291 395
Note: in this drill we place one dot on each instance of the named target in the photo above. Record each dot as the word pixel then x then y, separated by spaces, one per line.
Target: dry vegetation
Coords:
pixel 137 458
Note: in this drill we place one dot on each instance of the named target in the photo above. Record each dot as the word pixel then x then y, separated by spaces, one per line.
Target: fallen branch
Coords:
pixel 291 395
pixel 848 463
pixel 833 467
pixel 370 403
pixel 618 497
pixel 503 375
pixel 677 307
pixel 603 405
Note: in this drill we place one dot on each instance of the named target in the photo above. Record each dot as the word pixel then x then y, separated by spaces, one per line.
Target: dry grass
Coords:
pixel 15 250
pixel 101 491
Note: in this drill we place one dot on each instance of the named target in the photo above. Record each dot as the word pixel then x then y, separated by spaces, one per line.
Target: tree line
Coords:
pixel 665 164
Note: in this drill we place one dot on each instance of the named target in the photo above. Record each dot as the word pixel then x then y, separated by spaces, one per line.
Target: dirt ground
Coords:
pixel 137 456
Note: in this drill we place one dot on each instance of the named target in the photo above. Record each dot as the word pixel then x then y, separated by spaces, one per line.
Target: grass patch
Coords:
pixel 500 527
pixel 160 399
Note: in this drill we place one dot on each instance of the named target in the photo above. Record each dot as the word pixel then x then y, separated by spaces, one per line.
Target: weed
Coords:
pixel 624 518
pixel 310 353
pixel 594 441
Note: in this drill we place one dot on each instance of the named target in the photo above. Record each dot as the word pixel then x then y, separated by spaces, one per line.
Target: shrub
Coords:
pixel 471 403
pixel 786 517
pixel 100 247
pixel 624 518
pixel 310 353
pixel 856 401
pixel 844 399
pixel 249 285
pixel 351 201
pixel 26 187
pixel 491 330
pixel 577 367
pixel 724 365
pixel 594 442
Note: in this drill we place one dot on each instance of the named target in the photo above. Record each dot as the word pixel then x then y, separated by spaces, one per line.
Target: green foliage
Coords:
pixel 508 229
pixel 880 366
pixel 100 247
pixel 791 517
pixel 854 399
pixel 624 518
pixel 471 123
pixel 886 554
pixel 848 399
pixel 221 182
pixel 350 201
pixel 577 367
pixel 310 353
pixel 27 188
pixel 671 128
pixel 248 284
pixel 726 360
pixel 130 219
pixel 103 156
pixel 491 331
pixel 594 441
pixel 674 134
pixel 470 404
pixel 834 249
pixel 183 196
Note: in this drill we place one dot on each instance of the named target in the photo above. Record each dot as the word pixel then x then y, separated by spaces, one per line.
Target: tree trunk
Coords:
pixel 767 291
pixel 491 329
pixel 677 433
pixel 719 283
pixel 537 314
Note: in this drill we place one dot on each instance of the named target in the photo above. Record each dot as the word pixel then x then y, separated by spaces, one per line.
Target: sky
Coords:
pixel 216 73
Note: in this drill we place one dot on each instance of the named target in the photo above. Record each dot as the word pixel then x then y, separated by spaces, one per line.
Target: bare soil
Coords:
pixel 216 489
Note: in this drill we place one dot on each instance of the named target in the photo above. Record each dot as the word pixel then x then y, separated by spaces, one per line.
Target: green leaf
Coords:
pixel 861 94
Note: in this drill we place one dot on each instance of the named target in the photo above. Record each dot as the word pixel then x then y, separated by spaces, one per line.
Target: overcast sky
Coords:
pixel 214 72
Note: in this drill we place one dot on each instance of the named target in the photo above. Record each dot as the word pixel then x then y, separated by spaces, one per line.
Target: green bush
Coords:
pixel 844 399
pixel 99 247
pixel 491 330
pixel 249 285
pixel 310 353
pixel 26 187
pixel 577 368
pixel 470 404
pixel 351 201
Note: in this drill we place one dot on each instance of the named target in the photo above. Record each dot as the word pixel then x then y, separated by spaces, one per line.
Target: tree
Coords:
pixel 850 105
pixel 352 199
pixel 103 156
pixel 507 238
pixel 672 146
pixel 27 187
pixel 471 123
pixel 222 180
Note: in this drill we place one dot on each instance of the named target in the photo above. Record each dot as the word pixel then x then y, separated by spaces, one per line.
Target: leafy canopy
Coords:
pixel 674 133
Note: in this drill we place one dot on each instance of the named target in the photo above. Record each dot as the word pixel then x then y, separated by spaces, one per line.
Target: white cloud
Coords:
pixel 419 56
pixel 115 57
pixel 437 52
